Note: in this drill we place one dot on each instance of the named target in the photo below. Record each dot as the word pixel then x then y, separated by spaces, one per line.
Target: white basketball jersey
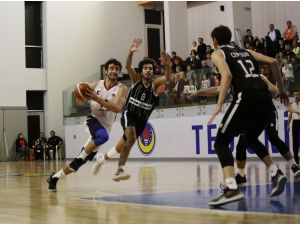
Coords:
pixel 104 116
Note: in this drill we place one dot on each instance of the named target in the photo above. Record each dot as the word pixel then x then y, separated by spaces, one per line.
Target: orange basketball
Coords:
pixel 80 91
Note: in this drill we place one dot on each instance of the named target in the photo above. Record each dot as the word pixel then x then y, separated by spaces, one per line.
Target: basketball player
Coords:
pixel 239 69
pixel 107 98
pixel 296 125
pixel 140 103
pixel 270 128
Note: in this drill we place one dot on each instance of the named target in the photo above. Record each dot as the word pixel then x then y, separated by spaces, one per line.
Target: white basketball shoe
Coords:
pixel 97 165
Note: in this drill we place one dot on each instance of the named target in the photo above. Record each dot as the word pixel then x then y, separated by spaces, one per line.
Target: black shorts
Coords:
pixel 130 119
pixel 245 116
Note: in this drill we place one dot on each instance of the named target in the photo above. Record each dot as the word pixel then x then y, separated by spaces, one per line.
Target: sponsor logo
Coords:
pixel 146 141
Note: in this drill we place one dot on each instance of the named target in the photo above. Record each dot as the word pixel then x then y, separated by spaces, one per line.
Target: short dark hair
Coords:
pixel 222 34
pixel 193 51
pixel 174 53
pixel 52 131
pixel 112 61
pixel 200 38
pixel 248 30
pixel 144 62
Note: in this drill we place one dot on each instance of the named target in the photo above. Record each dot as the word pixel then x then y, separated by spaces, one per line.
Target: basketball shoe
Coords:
pixel 278 183
pixel 52 183
pixel 241 181
pixel 296 170
pixel 120 175
pixel 229 195
pixel 97 165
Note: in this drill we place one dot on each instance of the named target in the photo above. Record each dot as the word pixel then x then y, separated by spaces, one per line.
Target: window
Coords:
pixel 33 35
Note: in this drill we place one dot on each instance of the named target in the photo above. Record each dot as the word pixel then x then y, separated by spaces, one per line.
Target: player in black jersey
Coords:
pixel 239 71
pixel 140 103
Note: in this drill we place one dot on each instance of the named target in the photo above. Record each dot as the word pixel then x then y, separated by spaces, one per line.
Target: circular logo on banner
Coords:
pixel 146 140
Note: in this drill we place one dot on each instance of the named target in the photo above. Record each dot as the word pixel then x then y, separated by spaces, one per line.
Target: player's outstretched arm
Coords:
pixel 130 68
pixel 211 91
pixel 165 60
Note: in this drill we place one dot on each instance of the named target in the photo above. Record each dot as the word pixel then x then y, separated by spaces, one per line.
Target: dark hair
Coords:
pixel 112 61
pixel 222 34
pixel 200 38
pixel 144 62
pixel 248 30
pixel 193 51
pixel 52 131
pixel 174 53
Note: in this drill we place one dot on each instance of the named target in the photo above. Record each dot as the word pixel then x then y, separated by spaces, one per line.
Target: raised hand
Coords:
pixel 135 44
pixel 165 58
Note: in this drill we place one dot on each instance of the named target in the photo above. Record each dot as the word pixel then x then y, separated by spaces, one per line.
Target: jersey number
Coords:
pixel 250 67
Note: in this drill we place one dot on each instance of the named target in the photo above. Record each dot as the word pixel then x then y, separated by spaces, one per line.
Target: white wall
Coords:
pixel 276 12
pixel 15 78
pixel 242 16
pixel 202 19
pixel 80 36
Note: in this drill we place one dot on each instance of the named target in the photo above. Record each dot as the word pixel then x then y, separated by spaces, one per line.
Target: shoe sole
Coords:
pixel 117 179
pixel 280 187
pixel 234 199
pixel 242 185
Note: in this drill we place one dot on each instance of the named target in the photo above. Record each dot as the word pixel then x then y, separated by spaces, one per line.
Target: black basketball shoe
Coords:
pixel 52 183
pixel 241 181
pixel 278 183
pixel 296 170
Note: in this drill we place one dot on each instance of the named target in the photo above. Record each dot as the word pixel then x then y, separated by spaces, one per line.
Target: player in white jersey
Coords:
pixel 107 98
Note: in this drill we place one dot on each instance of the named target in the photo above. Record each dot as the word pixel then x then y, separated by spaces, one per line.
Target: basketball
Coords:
pixel 80 91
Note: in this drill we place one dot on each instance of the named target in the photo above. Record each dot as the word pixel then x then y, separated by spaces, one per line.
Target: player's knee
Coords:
pixel 100 137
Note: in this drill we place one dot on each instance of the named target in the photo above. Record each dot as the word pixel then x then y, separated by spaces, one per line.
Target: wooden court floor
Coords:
pixel 158 192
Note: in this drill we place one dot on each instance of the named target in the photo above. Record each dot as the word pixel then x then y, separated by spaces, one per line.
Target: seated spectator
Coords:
pixel 279 59
pixel 178 94
pixel 204 84
pixel 53 141
pixel 21 146
pixel 289 54
pixel 209 50
pixel 194 46
pixel 248 38
pixel 205 68
pixel 189 75
pixel 193 61
pixel 177 62
pixel 296 51
pixel 209 62
pixel 40 146
pixel 288 74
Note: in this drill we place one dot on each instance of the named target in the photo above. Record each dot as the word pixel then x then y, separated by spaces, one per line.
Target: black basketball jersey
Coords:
pixel 141 100
pixel 244 70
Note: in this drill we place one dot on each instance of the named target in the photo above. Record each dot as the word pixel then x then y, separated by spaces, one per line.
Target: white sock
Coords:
pixel 241 172
pixel 273 170
pixel 231 183
pixel 60 174
pixel 112 153
pixel 82 154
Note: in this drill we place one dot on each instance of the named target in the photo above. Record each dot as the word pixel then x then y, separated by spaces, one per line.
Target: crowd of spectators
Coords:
pixel 196 71
pixel 40 147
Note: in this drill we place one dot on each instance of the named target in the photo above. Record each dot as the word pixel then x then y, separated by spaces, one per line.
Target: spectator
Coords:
pixel 40 146
pixel 21 146
pixel 201 49
pixel 209 50
pixel 274 35
pixel 296 51
pixel 208 61
pixel 194 46
pixel 233 44
pixel 288 74
pixel 279 59
pixel 178 95
pixel 289 54
pixel 193 61
pixel 54 141
pixel 269 46
pixel 281 45
pixel 177 62
pixel 190 75
pixel 290 32
pixel 205 69
pixel 204 84
pixel 248 38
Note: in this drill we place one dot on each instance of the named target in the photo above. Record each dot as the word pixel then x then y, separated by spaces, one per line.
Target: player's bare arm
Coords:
pixel 219 61
pixel 117 104
pixel 165 59
pixel 211 91
pixel 134 76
